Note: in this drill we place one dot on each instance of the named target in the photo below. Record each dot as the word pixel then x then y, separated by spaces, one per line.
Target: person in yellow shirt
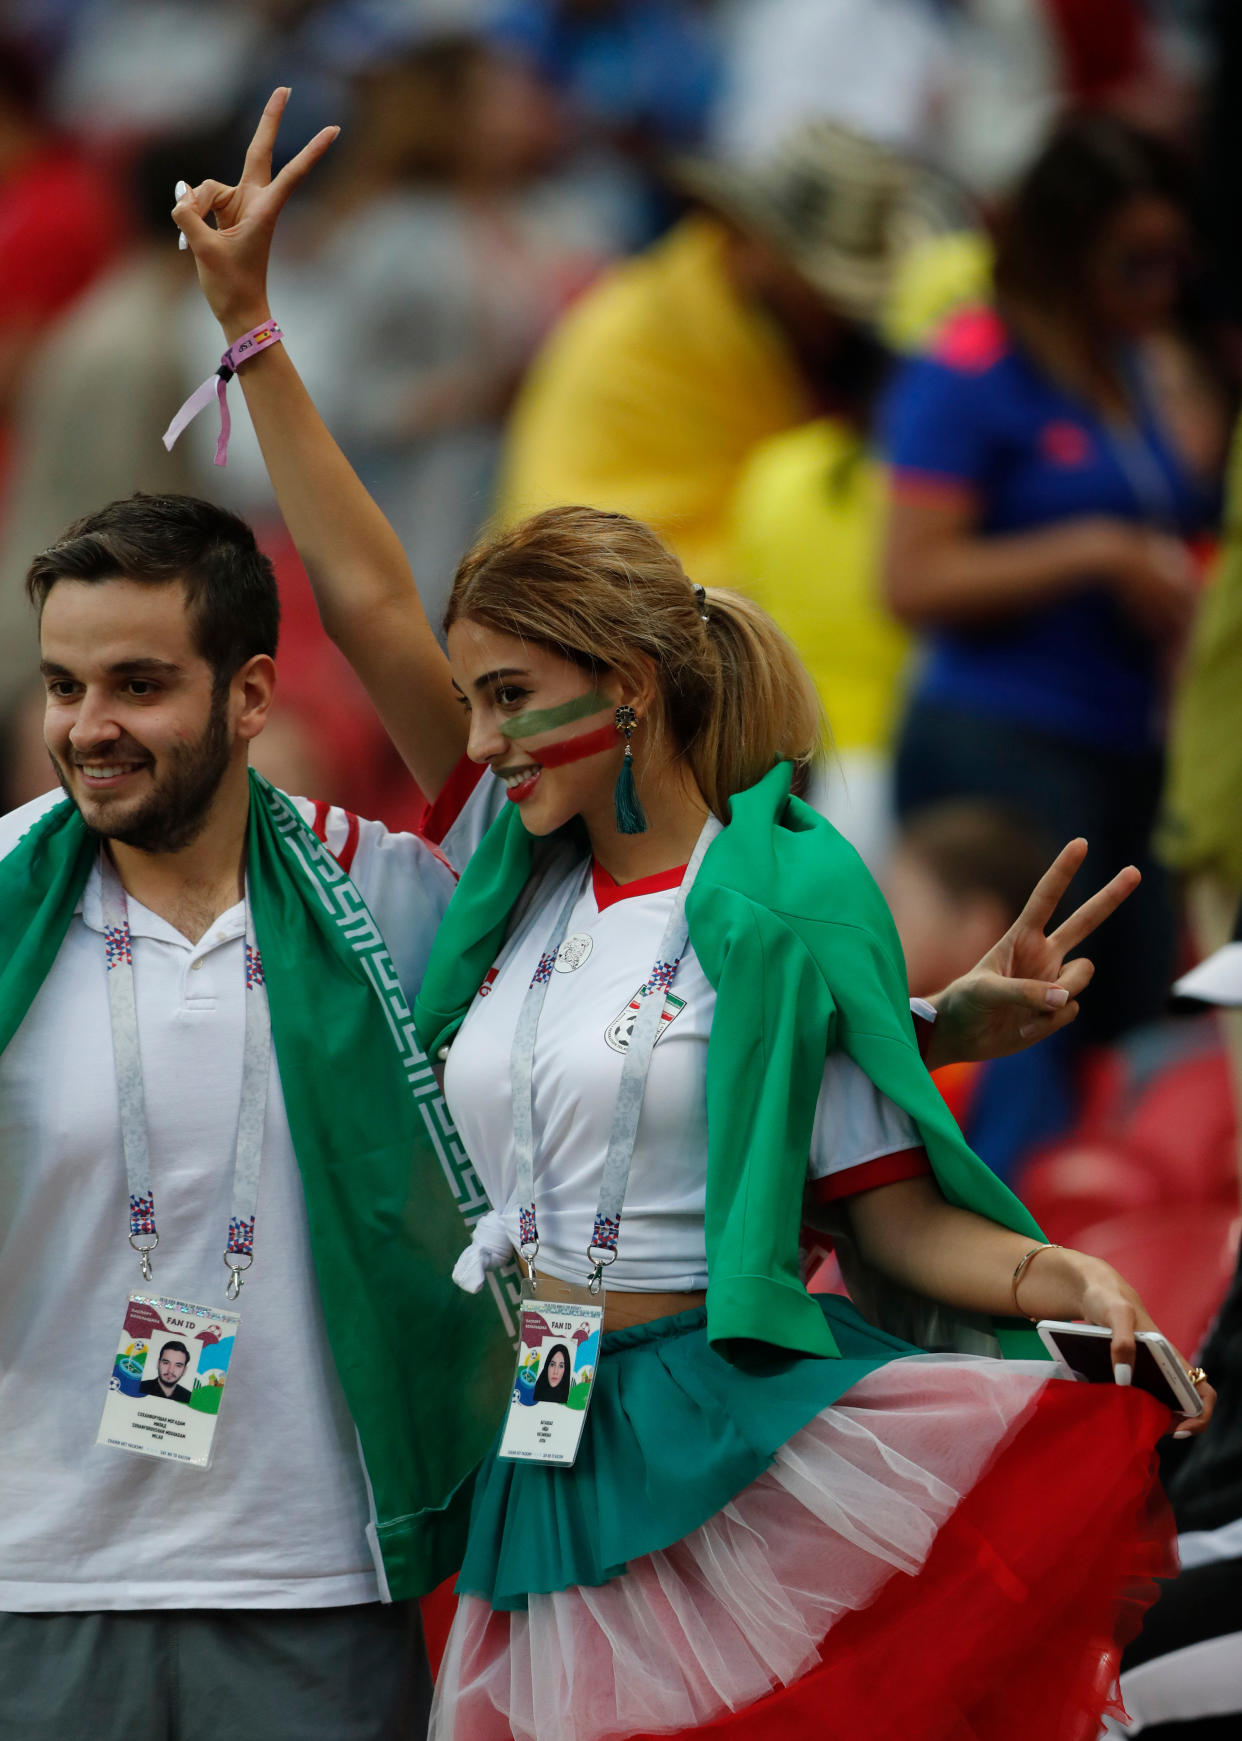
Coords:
pixel 754 314
pixel 807 520
pixel 806 546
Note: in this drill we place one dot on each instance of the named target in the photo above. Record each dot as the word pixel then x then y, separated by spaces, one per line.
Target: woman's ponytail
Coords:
pixel 761 705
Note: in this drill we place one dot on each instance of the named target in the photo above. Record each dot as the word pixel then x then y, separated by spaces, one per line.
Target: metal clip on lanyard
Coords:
pixel 132 1098
pixel 602 1249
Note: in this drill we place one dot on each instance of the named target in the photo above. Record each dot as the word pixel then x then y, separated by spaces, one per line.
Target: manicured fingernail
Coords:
pixel 1056 997
pixel 1182 1433
pixel 182 188
pixel 182 243
pixel 1026 1032
pixel 1122 1374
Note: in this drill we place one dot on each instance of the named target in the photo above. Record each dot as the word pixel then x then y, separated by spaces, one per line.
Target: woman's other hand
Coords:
pixel 1110 1300
pixel 1023 989
pixel 232 258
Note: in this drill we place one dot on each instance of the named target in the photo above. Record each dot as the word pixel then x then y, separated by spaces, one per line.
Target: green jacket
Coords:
pixel 801 950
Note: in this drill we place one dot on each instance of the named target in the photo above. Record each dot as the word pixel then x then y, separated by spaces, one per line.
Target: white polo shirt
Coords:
pixel 279 1519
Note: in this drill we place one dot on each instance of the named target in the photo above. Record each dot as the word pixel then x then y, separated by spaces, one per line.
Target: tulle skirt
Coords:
pixel 955 1549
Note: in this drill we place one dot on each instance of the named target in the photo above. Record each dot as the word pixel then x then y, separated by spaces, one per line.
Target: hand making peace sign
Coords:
pixel 1023 990
pixel 232 257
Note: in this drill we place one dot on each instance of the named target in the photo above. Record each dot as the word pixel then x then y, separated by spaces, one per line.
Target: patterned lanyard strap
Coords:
pixel 602 1249
pixel 131 1097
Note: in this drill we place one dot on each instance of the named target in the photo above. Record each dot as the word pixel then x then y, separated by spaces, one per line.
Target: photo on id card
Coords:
pixel 557 1355
pixel 168 1379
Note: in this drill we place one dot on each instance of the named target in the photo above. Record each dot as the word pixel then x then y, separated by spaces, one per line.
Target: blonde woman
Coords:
pixel 661 971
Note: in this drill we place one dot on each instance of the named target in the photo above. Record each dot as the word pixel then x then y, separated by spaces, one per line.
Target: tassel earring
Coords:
pixel 630 817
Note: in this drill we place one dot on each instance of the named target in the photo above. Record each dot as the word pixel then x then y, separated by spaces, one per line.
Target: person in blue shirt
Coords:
pixel 1041 508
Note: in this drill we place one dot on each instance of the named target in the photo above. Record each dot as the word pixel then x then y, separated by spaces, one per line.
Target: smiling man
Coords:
pixel 198 1012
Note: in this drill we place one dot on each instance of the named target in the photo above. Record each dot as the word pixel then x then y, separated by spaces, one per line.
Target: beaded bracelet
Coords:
pixel 239 352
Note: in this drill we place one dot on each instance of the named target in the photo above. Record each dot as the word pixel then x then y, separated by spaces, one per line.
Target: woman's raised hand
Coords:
pixel 232 258
pixel 1023 989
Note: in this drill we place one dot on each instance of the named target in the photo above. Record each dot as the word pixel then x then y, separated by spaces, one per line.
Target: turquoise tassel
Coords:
pixel 631 818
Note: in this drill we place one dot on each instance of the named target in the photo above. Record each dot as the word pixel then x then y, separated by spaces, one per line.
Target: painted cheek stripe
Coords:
pixel 577 749
pixel 540 719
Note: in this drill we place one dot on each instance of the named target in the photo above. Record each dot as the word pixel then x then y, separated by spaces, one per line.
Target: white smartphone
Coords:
pixel 1085 1349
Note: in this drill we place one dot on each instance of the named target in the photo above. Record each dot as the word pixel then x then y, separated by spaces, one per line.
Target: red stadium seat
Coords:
pixel 1179 1257
pixel 1086 1179
pixel 1185 1122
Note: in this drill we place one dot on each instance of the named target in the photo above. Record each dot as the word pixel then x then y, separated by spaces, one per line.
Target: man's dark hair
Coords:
pixel 230 586
pixel 177 1348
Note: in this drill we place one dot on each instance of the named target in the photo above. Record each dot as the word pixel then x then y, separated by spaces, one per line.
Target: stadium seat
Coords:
pixel 1082 1180
pixel 1185 1123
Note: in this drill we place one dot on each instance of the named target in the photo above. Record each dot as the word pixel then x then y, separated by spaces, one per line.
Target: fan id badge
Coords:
pixel 558 1351
pixel 168 1379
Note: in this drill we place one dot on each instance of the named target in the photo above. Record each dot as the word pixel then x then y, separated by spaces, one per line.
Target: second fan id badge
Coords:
pixel 558 1350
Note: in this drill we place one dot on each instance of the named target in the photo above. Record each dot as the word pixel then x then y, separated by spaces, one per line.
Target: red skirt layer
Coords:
pixel 1014 1627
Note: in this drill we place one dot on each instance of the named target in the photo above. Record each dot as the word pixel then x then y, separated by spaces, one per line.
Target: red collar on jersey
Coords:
pixel 608 891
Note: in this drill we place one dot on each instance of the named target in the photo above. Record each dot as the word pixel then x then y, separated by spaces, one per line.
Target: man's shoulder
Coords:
pixel 353 840
pixel 14 824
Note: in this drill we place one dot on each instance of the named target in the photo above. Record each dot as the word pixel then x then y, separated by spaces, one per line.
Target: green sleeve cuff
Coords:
pixel 757 1308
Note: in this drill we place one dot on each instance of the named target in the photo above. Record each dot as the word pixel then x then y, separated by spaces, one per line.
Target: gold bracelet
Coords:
pixel 1021 1271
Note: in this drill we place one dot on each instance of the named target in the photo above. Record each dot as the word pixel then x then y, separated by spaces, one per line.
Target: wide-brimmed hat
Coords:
pixel 842 208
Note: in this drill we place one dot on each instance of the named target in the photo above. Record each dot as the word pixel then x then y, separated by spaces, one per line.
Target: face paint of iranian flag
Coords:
pixel 551 736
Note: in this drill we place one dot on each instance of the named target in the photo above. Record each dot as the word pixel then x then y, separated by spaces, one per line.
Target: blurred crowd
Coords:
pixel 918 320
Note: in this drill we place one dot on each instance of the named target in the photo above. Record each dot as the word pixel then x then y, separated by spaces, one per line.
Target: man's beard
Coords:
pixel 175 811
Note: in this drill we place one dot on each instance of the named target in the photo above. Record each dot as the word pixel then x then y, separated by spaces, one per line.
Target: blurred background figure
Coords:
pixel 975 85
pixel 752 315
pixel 1052 458
pixel 457 240
pixel 92 393
pixel 637 79
pixel 807 518
pixel 60 224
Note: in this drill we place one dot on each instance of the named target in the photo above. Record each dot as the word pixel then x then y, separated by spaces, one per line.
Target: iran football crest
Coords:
pixel 619 1032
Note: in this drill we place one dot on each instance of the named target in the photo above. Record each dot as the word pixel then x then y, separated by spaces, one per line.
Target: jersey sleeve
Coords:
pixel 405 880
pixel 861 1139
pixel 934 432
pixel 458 819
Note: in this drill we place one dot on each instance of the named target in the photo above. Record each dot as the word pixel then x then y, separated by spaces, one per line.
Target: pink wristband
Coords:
pixel 239 352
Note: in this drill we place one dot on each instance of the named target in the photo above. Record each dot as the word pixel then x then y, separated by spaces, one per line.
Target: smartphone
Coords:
pixel 1086 1350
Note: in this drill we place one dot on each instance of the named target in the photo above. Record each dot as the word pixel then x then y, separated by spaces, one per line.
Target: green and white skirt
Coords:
pixel 888 1544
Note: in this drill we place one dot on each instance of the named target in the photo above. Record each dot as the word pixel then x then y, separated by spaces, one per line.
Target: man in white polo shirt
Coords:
pixel 141 1598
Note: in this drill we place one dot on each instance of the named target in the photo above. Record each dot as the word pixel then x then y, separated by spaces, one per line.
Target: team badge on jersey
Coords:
pixel 574 951
pixel 619 1031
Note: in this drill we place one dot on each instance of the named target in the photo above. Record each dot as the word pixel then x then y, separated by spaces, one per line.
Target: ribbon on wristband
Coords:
pixel 239 352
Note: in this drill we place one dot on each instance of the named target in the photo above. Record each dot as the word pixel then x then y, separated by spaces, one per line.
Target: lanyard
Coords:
pixel 602 1249
pixel 132 1099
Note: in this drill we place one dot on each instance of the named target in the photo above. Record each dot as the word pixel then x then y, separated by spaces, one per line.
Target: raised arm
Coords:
pixel 367 597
